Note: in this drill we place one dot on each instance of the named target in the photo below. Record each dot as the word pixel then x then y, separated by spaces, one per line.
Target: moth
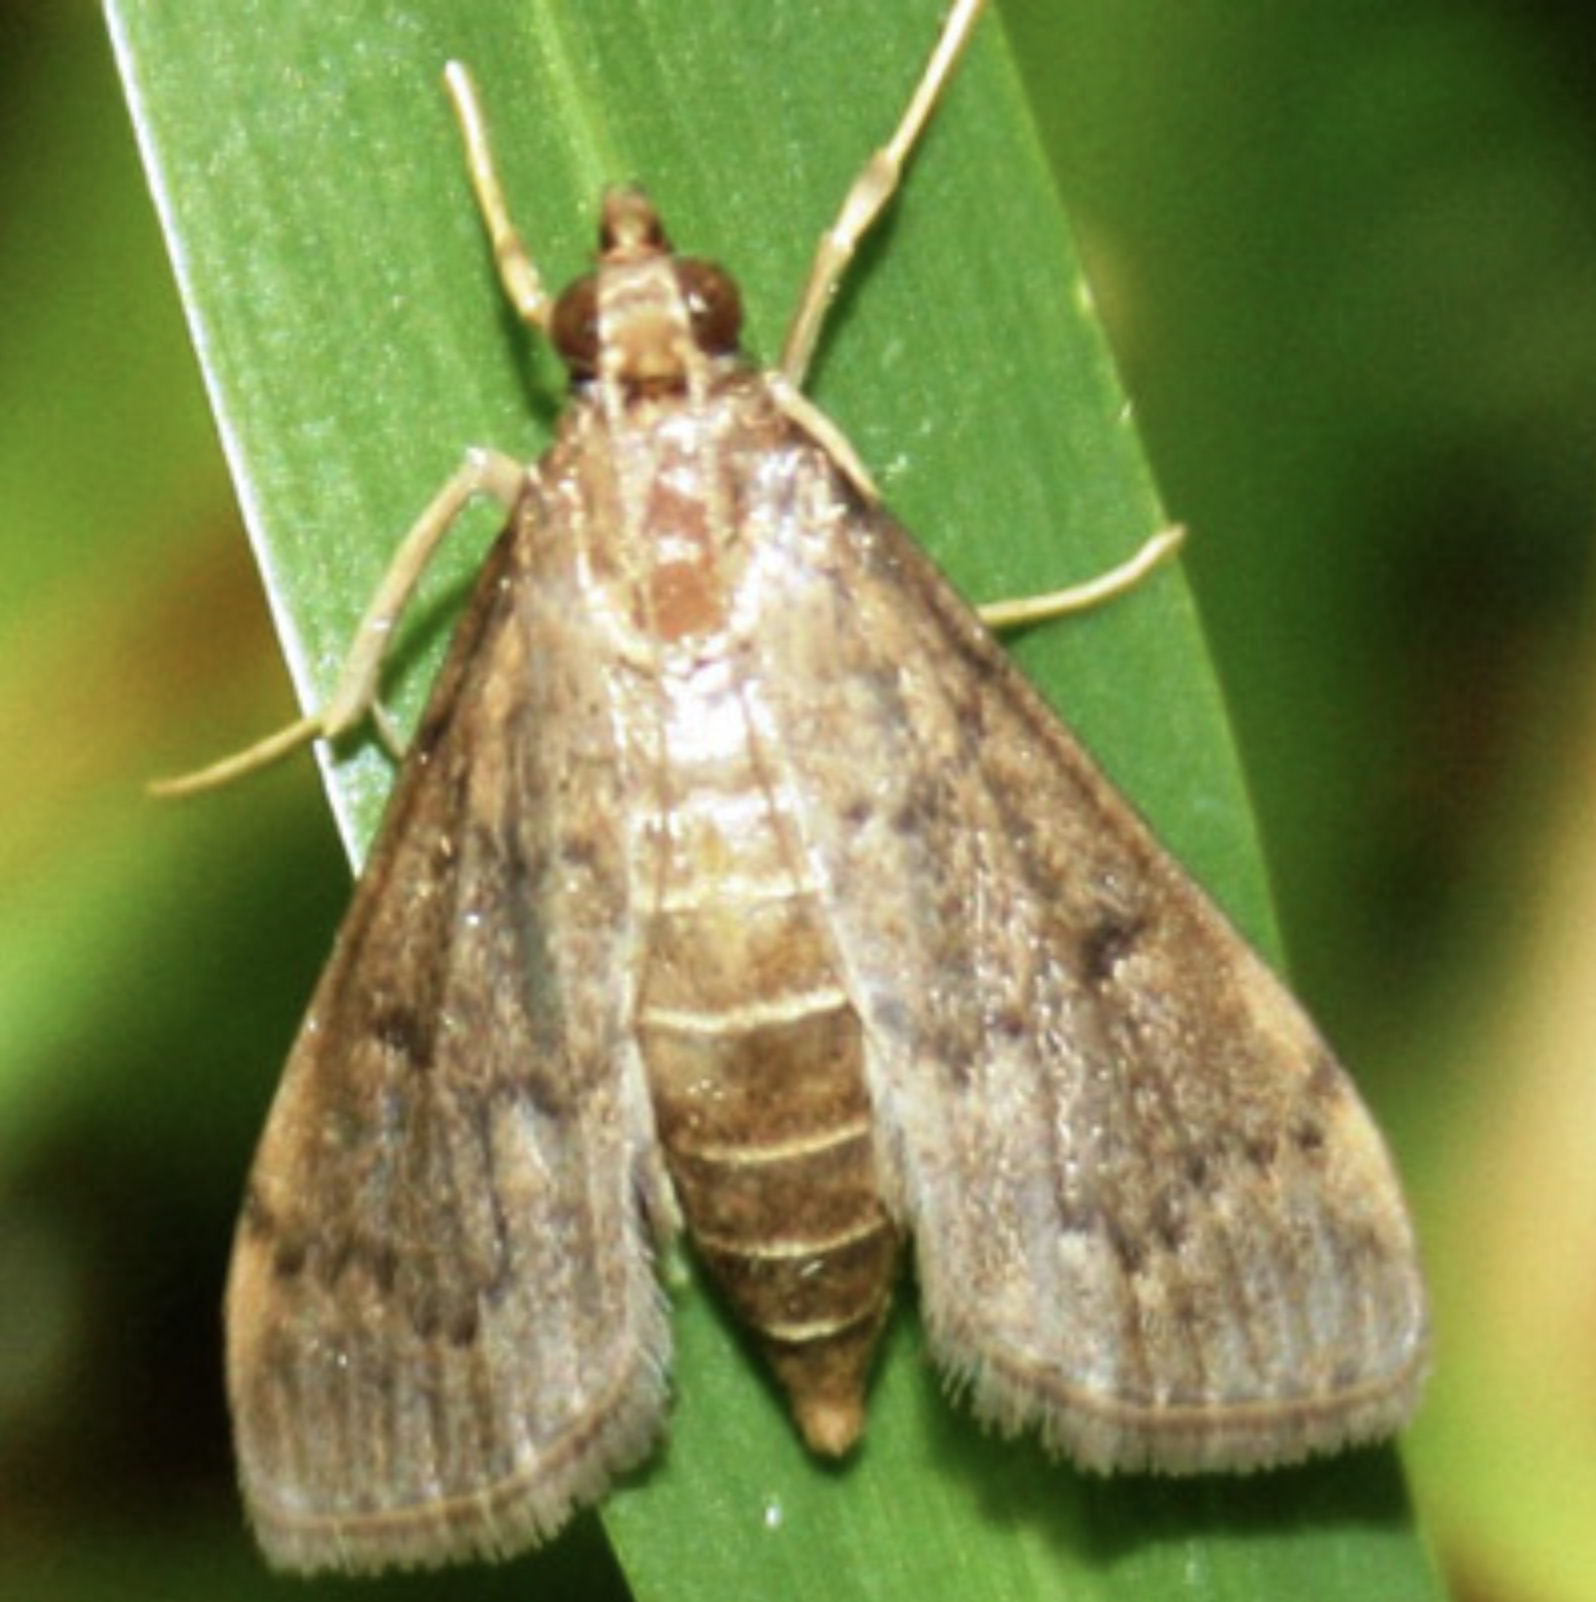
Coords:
pixel 735 878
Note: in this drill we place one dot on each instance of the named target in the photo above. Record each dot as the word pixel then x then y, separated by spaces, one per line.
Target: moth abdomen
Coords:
pixel 755 1058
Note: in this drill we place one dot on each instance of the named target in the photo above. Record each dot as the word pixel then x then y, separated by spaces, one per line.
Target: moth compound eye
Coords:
pixel 714 308
pixel 575 330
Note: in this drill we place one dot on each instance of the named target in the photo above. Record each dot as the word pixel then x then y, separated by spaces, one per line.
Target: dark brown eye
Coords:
pixel 714 308
pixel 575 326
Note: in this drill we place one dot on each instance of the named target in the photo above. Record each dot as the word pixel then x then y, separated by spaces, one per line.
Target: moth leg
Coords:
pixel 871 191
pixel 522 281
pixel 825 433
pixel 354 697
pixel 1000 615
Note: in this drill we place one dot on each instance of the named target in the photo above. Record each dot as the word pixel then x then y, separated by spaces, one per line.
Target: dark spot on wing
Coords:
pixel 577 850
pixel 1131 1252
pixel 1199 1172
pixel 399 1029
pixel 288 1253
pixel 1308 1138
pixel 858 811
pixel 383 1265
pixel 1108 943
pixel 425 1316
pixel 288 1261
pixel 916 812
pixel 1009 1024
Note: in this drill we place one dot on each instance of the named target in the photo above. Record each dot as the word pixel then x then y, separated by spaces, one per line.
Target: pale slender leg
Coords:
pixel 482 473
pixel 871 191
pixel 517 271
pixel 998 615
pixel 354 697
pixel 864 202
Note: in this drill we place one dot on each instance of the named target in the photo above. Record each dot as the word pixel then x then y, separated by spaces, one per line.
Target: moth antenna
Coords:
pixel 522 281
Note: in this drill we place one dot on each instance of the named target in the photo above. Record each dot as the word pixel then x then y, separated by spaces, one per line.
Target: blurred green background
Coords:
pixel 1348 257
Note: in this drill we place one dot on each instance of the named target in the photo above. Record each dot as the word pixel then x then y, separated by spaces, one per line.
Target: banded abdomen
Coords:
pixel 755 1060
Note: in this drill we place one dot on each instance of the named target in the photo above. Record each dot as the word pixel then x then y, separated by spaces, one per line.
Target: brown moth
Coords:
pixel 736 877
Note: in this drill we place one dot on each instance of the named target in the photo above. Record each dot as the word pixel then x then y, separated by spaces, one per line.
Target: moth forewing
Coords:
pixel 1150 1215
pixel 444 1328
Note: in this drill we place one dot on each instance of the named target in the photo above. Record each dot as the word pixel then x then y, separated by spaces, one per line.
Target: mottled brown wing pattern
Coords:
pixel 444 1327
pixel 1152 1218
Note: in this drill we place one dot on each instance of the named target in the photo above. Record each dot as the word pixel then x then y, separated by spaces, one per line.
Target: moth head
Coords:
pixel 646 317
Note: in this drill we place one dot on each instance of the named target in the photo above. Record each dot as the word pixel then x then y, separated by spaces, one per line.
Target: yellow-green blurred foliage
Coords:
pixel 1348 255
